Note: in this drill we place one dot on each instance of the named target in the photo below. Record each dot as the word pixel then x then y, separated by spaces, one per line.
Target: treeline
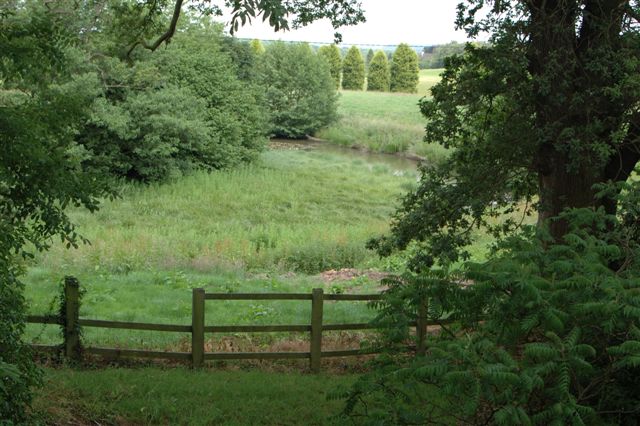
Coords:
pixel 205 101
pixel 377 72
pixel 433 56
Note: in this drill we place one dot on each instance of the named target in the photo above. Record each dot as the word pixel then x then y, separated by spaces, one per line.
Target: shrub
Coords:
pixel 353 70
pixel 332 55
pixel 176 110
pixel 405 73
pixel 299 91
pixel 379 77
pixel 547 334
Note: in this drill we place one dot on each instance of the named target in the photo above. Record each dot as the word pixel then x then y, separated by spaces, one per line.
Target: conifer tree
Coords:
pixel 257 47
pixel 370 54
pixel 379 77
pixel 332 55
pixel 353 70
pixel 404 70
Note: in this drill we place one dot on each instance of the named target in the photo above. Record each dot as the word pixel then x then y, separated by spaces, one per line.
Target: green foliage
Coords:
pixel 43 103
pixel 369 58
pixel 299 91
pixel 353 70
pixel 379 77
pixel 180 109
pixel 546 334
pixel 332 55
pixel 532 128
pixel 257 47
pixel 434 56
pixel 404 70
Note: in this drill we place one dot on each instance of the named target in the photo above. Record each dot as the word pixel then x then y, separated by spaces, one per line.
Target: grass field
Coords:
pixel 267 227
pixel 385 122
pixel 155 396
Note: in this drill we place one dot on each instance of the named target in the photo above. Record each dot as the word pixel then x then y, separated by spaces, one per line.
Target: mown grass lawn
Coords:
pixel 179 396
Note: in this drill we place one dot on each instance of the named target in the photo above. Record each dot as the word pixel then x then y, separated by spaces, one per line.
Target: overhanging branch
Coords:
pixel 164 38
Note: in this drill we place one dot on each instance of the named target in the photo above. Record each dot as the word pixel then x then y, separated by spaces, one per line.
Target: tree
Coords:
pixel 280 14
pixel 434 56
pixel 299 91
pixel 257 47
pixel 353 70
pixel 369 58
pixel 45 96
pixel 404 70
pixel 542 120
pixel 535 119
pixel 331 54
pixel 379 76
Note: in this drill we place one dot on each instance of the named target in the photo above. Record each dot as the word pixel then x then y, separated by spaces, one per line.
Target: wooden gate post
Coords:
pixel 317 300
pixel 197 328
pixel 421 328
pixel 71 318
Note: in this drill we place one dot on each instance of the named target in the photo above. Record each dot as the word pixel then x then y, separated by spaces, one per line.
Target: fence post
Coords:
pixel 197 328
pixel 71 318
pixel 421 328
pixel 317 300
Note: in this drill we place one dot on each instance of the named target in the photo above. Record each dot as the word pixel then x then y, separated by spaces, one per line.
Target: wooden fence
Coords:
pixel 71 323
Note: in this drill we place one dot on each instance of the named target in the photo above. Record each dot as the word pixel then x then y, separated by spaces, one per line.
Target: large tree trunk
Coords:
pixel 560 45
pixel 561 188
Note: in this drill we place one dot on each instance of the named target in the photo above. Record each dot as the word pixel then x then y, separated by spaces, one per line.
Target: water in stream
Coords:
pixel 395 162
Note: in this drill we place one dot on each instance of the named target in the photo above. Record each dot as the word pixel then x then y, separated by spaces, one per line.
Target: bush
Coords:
pixel 299 91
pixel 405 73
pixel 180 109
pixel 547 334
pixel 353 70
pixel 379 77
pixel 332 55
pixel 43 103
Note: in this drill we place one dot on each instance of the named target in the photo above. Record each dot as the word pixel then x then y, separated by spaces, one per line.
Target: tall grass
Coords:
pixel 242 230
pixel 301 211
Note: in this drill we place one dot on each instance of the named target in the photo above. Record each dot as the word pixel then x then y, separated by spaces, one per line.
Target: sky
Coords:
pixel 389 22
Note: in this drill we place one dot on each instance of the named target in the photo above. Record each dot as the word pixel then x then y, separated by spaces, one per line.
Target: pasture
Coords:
pixel 385 122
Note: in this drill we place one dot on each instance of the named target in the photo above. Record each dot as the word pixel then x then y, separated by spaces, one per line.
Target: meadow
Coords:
pixel 385 122
pixel 268 227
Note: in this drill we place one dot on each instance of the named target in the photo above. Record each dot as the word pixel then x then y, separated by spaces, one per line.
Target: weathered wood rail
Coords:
pixel 71 323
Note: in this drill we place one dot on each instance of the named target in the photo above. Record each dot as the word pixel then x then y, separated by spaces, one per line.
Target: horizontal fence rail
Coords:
pixel 71 323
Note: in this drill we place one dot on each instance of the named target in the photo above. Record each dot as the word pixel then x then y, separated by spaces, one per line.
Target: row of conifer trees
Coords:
pixel 400 74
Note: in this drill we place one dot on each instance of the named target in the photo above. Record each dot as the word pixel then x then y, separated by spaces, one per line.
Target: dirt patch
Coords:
pixel 349 274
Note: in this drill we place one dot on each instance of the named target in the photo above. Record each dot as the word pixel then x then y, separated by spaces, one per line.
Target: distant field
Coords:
pixel 384 122
pixel 427 79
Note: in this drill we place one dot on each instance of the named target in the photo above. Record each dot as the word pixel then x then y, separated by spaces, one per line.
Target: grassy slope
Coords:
pixel 153 396
pixel 384 122
pixel 306 210
pixel 294 211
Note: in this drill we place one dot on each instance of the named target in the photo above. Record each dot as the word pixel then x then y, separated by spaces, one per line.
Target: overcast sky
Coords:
pixel 416 22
